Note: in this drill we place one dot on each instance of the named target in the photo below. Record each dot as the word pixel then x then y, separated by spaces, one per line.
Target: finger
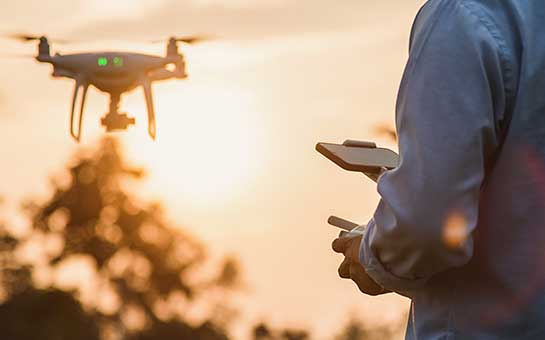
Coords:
pixel 353 251
pixel 341 244
pixel 363 281
pixel 344 269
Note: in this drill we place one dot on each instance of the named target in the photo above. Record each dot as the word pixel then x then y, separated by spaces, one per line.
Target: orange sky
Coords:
pixel 235 160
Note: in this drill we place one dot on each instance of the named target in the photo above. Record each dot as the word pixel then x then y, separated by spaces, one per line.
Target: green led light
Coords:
pixel 102 61
pixel 118 61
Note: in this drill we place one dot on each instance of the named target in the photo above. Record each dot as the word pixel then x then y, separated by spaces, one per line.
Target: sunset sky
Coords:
pixel 234 161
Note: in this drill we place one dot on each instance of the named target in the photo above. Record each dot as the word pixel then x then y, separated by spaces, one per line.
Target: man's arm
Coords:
pixel 451 97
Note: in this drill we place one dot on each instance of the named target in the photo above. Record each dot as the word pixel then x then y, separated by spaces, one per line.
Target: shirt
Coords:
pixel 460 227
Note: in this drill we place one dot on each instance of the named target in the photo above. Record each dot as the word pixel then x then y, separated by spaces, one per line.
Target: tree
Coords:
pixel 38 315
pixel 357 330
pixel 149 272
pixel 264 332
pixel 385 130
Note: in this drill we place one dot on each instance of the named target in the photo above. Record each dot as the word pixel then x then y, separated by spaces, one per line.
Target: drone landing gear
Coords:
pixel 115 121
pixel 76 133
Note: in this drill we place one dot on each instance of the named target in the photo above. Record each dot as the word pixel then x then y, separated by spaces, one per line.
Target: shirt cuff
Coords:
pixel 376 270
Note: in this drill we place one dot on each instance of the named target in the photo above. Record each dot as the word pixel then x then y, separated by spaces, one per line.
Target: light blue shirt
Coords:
pixel 460 228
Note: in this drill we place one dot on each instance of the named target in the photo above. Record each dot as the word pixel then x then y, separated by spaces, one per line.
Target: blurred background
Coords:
pixel 218 229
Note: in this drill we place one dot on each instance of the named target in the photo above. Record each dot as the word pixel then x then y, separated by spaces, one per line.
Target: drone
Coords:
pixel 114 73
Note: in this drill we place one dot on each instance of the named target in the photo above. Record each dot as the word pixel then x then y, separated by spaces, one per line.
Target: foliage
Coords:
pixel 357 330
pixel 264 332
pixel 147 274
pixel 37 315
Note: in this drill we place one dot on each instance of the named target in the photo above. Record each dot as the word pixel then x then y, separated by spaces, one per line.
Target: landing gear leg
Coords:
pixel 76 133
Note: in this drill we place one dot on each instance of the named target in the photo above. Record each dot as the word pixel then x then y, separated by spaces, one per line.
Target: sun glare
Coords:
pixel 209 145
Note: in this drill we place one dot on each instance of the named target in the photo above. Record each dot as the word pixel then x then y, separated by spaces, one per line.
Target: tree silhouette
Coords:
pixel 143 276
pixel 264 332
pixel 357 330
pixel 386 130
pixel 147 273
pixel 37 315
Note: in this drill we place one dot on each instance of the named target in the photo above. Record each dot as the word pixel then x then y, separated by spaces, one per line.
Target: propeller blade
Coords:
pixel 22 37
pixel 64 41
pixel 187 40
pixel 27 38
pixel 16 55
pixel 193 40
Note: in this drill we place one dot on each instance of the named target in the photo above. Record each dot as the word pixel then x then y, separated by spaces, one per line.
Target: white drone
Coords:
pixel 114 73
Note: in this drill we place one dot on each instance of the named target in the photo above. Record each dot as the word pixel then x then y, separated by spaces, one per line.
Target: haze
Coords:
pixel 234 161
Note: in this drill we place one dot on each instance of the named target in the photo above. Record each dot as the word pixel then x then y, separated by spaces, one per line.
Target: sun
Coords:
pixel 210 141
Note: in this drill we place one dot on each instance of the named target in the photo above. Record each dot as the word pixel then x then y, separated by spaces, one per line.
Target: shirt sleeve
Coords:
pixel 451 97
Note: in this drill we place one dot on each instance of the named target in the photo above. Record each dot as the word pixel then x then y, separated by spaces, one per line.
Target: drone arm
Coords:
pixel 79 84
pixel 179 71
pixel 163 74
pixel 146 85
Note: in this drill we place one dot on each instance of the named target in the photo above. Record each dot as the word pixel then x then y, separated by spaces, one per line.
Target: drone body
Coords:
pixel 114 73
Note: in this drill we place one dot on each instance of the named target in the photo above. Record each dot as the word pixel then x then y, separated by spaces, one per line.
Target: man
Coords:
pixel 460 228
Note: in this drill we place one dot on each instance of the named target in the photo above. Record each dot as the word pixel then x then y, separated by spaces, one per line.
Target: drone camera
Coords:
pixel 117 121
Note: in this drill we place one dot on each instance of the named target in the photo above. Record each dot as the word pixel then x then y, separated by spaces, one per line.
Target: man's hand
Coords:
pixel 351 267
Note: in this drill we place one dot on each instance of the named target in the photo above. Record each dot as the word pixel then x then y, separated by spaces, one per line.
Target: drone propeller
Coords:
pixel 17 55
pixel 188 40
pixel 22 37
pixel 28 38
